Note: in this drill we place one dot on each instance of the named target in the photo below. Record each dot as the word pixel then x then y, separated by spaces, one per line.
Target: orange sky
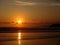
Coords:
pixel 33 11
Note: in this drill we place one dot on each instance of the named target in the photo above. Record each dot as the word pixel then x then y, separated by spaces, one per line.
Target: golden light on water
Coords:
pixel 19 35
pixel 19 42
pixel 19 38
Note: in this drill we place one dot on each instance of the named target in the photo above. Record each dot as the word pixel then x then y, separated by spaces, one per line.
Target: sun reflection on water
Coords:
pixel 19 38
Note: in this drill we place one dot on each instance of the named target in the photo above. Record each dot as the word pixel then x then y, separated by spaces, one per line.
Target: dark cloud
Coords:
pixel 57 1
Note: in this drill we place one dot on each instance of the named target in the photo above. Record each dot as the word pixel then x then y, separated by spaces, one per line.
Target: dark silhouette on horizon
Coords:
pixel 55 25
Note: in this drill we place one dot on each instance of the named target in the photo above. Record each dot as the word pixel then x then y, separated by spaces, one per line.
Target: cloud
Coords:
pixel 42 3
pixel 25 3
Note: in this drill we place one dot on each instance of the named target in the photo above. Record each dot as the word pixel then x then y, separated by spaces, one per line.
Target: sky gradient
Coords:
pixel 42 11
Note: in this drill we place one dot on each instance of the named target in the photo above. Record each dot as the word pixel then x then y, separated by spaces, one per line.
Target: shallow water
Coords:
pixel 30 38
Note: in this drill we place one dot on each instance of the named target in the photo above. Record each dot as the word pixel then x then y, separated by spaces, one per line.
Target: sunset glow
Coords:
pixel 19 21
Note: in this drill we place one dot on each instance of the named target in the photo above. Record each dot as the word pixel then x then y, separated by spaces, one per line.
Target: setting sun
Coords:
pixel 19 21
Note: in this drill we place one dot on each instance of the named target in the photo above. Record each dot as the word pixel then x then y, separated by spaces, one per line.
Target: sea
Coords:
pixel 30 38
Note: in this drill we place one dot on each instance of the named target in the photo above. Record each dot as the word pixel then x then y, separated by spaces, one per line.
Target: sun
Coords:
pixel 19 21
